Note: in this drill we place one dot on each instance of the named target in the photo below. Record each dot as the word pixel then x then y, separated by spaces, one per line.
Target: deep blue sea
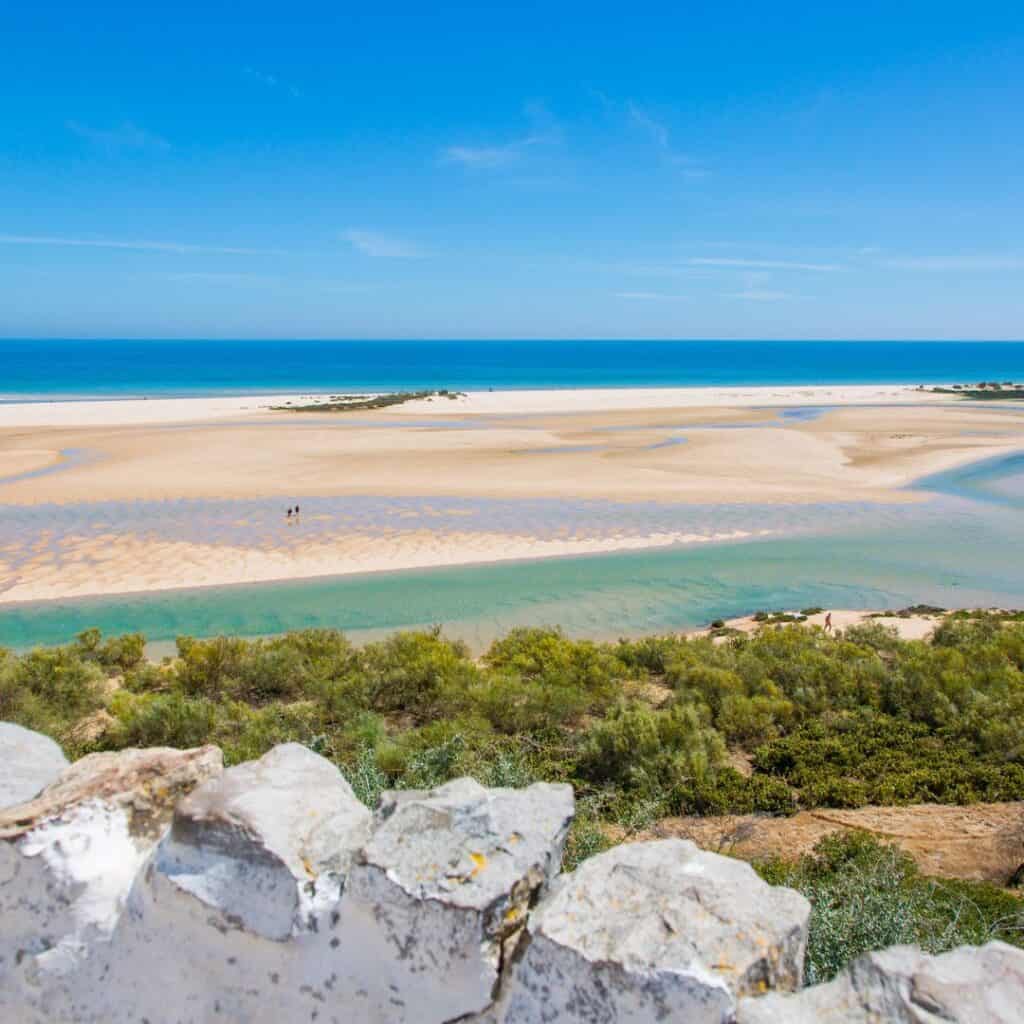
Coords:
pixel 80 368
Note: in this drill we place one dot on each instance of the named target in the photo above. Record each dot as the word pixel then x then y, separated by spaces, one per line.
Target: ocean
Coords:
pixel 39 369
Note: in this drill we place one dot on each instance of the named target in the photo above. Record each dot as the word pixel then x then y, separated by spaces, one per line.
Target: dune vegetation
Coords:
pixel 642 728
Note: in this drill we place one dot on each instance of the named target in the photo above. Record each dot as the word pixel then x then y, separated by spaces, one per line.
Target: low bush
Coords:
pixel 866 895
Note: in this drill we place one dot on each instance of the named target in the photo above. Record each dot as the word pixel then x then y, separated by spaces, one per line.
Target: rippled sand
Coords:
pixel 112 497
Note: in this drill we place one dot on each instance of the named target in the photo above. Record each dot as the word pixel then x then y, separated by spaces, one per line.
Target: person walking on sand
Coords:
pixel 296 509
pixel 828 622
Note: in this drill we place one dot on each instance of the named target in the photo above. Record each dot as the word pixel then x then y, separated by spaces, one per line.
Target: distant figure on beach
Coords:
pixel 288 514
pixel 828 622
pixel 296 509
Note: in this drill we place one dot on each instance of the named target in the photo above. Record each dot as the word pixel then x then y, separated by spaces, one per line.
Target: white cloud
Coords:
pixel 759 295
pixel 655 128
pixel 372 243
pixel 967 264
pixel 126 135
pixel 743 264
pixel 147 246
pixel 659 133
pixel 545 130
pixel 270 81
pixel 488 156
pixel 218 278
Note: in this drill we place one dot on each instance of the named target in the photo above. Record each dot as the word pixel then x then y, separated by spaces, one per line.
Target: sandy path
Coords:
pixel 979 841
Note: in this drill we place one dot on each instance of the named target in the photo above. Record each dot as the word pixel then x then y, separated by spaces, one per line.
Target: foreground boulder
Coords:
pixel 437 900
pixel 658 931
pixel 69 857
pixel 30 762
pixel 902 985
pixel 238 908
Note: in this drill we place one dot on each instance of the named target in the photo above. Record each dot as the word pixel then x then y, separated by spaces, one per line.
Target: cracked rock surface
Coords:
pixel 657 931
pixel 442 891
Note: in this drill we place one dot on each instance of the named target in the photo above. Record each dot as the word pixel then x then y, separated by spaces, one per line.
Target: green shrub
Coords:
pixel 161 720
pixel 638 748
pixel 729 792
pixel 421 674
pixel 549 657
pixel 865 896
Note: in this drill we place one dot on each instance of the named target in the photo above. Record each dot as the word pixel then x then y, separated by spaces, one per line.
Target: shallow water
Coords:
pixel 961 548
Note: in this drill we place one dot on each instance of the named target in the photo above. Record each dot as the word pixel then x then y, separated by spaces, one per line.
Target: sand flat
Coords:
pixel 741 447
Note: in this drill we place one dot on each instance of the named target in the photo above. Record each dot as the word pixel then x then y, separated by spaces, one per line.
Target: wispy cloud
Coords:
pixel 749 264
pixel 652 297
pixel 659 134
pixel 657 130
pixel 966 264
pixel 544 129
pixel 759 295
pixel 270 81
pixel 127 135
pixel 218 278
pixel 480 157
pixel 145 246
pixel 373 243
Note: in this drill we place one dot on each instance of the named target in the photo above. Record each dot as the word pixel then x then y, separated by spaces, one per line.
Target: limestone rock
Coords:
pixel 238 908
pixel 256 843
pixel 69 857
pixel 902 985
pixel 438 898
pixel 657 931
pixel 30 762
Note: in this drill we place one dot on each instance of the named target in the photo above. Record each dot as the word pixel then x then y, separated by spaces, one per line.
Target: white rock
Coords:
pixel 238 908
pixel 437 900
pixel 969 985
pixel 259 843
pixel 67 862
pixel 658 931
pixel 30 763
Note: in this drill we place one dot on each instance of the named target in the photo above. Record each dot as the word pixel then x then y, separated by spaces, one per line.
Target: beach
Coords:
pixel 140 495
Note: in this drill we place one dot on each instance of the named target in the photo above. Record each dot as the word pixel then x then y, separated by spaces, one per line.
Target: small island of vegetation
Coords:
pixel 354 403
pixel 983 391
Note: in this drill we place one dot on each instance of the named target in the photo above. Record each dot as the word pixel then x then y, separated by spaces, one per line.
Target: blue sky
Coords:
pixel 728 170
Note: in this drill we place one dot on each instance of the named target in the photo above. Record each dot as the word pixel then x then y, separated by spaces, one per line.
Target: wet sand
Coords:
pixel 773 451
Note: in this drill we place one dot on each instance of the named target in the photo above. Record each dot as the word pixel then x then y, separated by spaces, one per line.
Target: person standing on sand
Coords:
pixel 828 622
pixel 296 509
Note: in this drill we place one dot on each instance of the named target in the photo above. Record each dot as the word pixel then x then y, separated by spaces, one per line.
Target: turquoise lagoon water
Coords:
pixel 962 547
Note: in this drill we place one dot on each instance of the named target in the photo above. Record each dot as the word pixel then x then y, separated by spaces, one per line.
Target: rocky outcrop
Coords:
pixel 902 985
pixel 30 762
pixel 154 886
pixel 440 894
pixel 68 859
pixel 657 931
